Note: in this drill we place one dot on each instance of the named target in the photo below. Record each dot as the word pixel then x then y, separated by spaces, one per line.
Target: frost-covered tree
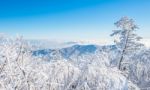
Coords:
pixel 14 60
pixel 140 71
pixel 128 41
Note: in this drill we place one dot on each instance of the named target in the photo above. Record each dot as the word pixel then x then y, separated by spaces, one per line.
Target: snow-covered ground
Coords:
pixel 75 65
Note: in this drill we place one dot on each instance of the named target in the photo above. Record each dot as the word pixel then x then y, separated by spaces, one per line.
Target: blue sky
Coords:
pixel 70 19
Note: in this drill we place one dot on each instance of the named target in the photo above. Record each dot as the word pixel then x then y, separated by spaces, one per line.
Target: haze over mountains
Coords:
pixel 60 44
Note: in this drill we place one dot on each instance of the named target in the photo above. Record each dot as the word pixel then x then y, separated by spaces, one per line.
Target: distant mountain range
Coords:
pixel 43 44
pixel 75 50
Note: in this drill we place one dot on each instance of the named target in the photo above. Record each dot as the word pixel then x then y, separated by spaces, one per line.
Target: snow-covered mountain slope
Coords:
pixel 102 56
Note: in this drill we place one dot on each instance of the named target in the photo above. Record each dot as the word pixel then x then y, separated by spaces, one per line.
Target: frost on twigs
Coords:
pixel 128 41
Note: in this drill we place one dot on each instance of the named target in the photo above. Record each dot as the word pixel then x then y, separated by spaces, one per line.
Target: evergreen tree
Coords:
pixel 128 41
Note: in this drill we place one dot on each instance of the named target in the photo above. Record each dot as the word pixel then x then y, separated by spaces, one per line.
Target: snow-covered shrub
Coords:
pixel 15 58
pixel 64 75
pixel 140 68
pixel 96 78
pixel 99 59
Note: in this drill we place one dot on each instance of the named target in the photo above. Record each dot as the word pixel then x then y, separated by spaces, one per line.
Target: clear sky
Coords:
pixel 70 19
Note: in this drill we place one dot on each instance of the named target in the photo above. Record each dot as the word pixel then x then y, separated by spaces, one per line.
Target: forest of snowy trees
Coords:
pixel 122 66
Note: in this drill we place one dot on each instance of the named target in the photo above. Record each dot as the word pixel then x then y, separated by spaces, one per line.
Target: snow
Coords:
pixel 146 42
pixel 20 70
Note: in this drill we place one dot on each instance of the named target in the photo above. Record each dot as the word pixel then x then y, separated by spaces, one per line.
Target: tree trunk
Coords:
pixel 124 49
pixel 120 62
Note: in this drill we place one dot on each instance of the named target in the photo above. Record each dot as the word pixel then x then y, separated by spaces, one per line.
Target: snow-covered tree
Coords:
pixel 14 63
pixel 140 71
pixel 128 41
